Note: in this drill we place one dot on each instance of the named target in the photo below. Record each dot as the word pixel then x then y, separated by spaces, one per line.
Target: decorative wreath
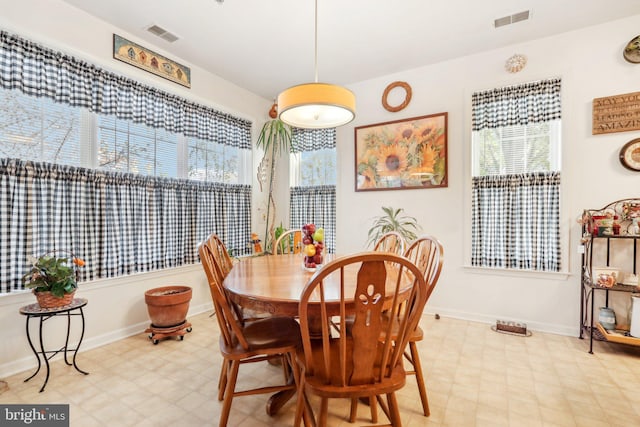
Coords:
pixel 407 97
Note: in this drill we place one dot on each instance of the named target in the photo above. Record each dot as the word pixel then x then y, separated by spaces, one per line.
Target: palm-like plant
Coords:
pixel 393 220
pixel 274 139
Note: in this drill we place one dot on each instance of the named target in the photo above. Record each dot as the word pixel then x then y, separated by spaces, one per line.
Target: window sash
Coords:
pixel 529 148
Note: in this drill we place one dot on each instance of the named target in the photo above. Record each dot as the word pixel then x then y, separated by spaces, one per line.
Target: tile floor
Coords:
pixel 475 377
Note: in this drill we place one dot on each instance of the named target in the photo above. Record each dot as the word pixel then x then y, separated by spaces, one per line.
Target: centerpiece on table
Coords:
pixel 312 246
pixel 53 278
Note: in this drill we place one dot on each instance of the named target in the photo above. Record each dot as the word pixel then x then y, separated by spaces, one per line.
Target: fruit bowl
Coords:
pixel 312 247
pixel 311 269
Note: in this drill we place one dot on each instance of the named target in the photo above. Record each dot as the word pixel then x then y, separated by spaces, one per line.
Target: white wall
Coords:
pixel 116 308
pixel 591 65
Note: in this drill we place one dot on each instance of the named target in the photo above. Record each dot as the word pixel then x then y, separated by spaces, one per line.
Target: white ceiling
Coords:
pixel 266 46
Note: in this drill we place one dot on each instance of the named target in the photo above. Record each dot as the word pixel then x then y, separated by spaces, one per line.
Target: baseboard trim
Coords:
pixel 491 320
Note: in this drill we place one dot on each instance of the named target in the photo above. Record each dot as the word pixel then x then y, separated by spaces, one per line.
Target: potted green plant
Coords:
pixel 393 220
pixel 274 139
pixel 53 278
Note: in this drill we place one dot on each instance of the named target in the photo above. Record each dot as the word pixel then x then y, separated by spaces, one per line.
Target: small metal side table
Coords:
pixel 44 314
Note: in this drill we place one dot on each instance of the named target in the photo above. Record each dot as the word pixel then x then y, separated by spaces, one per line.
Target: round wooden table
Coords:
pixel 273 284
pixel 269 284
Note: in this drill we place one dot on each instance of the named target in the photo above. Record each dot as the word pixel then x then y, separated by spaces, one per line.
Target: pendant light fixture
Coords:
pixel 316 105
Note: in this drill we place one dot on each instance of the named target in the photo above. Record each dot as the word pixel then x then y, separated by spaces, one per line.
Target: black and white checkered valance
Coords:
pixel 533 102
pixel 119 223
pixel 312 139
pixel 316 205
pixel 39 71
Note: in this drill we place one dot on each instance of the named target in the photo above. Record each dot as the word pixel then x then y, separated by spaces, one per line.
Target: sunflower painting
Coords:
pixel 403 154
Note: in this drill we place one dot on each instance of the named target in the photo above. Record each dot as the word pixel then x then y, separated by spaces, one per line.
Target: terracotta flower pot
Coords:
pixel 168 306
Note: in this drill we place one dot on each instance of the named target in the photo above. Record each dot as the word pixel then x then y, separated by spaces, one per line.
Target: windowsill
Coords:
pixel 507 272
pixel 26 296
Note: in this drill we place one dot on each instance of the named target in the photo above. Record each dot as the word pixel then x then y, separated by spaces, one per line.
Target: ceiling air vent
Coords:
pixel 162 33
pixel 511 19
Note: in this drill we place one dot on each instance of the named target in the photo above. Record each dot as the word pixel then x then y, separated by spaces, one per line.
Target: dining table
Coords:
pixel 269 284
pixel 273 284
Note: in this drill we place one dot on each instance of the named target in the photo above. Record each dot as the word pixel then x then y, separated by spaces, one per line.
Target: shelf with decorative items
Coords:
pixel 609 273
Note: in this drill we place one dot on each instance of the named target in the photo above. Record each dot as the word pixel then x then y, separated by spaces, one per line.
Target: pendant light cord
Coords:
pixel 316 41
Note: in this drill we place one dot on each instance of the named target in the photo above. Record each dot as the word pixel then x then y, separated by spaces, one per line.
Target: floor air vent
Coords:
pixel 511 328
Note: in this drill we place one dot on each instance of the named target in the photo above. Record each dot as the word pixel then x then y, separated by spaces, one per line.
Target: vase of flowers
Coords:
pixel 53 278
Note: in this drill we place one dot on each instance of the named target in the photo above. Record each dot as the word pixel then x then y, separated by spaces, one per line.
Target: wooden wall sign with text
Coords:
pixel 618 113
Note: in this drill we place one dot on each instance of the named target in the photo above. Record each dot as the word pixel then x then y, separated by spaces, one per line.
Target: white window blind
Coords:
pixel 517 149
pixel 39 129
pixel 125 146
pixel 213 162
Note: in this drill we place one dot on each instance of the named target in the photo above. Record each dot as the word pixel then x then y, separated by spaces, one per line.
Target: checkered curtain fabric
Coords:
pixel 39 71
pixel 516 221
pixel 516 218
pixel 315 205
pixel 118 223
pixel 312 139
pixel 533 102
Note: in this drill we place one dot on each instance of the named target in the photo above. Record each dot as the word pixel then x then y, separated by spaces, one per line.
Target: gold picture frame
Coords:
pixel 402 154
pixel 132 53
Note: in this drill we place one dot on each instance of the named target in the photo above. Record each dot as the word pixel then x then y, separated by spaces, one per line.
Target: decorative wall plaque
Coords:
pixel 618 113
pixel 148 60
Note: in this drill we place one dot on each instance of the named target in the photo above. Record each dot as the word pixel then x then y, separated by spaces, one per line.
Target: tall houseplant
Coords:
pixel 274 139
pixel 393 220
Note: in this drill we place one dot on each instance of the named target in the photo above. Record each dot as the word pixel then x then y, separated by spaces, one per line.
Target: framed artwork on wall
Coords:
pixel 148 60
pixel 402 154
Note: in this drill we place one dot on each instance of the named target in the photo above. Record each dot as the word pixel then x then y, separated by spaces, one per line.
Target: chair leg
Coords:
pixel 222 381
pixel 229 391
pixel 417 366
pixel 374 409
pixel 384 407
pixel 285 367
pixel 353 412
pixel 394 411
pixel 300 401
pixel 303 407
pixel 324 411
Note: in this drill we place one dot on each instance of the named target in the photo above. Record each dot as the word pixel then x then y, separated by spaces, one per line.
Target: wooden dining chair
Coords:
pixel 221 254
pixel 247 342
pixel 289 242
pixel 360 362
pixel 391 241
pixel 428 254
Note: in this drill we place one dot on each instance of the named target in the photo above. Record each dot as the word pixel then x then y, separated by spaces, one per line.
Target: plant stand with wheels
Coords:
pixel 157 333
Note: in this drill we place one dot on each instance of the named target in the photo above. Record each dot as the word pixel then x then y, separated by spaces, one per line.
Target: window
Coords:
pixel 218 162
pixel 516 177
pixel 313 181
pixel 517 149
pixel 125 146
pixel 310 168
pixel 39 128
pixel 89 162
